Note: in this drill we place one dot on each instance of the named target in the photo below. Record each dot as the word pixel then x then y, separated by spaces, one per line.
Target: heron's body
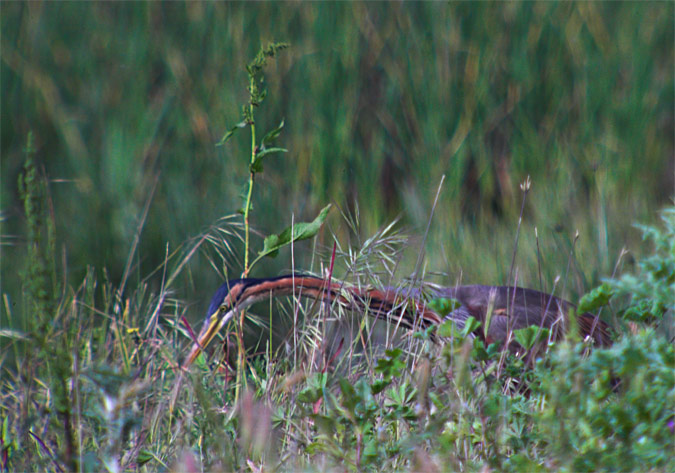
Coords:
pixel 507 308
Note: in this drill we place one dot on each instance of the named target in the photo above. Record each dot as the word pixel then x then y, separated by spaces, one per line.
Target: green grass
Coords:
pixel 120 229
pixel 379 102
pixel 100 388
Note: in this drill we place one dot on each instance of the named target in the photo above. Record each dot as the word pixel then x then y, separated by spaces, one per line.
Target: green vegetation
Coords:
pixel 118 166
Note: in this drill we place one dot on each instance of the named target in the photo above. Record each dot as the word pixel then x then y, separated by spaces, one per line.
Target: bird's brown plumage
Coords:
pixel 514 308
pixel 505 308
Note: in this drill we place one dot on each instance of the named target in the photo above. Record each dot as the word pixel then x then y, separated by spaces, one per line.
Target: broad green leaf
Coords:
pixel 528 336
pixel 451 328
pixel 470 326
pixel 297 232
pixel 595 299
pixel 230 132
pixel 271 246
pixel 443 306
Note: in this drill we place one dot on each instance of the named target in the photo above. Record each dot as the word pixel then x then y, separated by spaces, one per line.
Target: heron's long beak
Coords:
pixel 216 322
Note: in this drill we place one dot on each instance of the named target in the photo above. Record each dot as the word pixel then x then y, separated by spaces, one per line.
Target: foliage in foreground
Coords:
pixel 93 382
pixel 102 390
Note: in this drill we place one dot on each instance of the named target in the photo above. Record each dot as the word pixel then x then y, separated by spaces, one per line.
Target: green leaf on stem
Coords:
pixel 297 232
pixel 272 135
pixel 230 132
pixel 256 165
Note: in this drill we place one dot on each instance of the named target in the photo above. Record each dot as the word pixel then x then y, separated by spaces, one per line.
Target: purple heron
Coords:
pixel 504 308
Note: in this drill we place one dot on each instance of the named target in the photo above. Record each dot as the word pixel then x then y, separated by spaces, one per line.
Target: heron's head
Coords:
pixel 222 307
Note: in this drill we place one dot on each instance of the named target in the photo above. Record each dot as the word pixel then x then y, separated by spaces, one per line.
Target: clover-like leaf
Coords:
pixel 595 299
pixel 528 336
pixel 443 306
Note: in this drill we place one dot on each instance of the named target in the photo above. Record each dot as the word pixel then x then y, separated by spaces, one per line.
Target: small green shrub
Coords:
pixel 652 290
pixel 612 409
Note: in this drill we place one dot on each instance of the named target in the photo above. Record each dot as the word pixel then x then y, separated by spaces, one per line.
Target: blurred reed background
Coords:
pixel 380 100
